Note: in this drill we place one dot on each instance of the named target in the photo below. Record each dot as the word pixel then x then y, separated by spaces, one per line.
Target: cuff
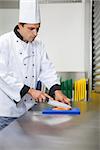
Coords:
pixel 53 89
pixel 24 90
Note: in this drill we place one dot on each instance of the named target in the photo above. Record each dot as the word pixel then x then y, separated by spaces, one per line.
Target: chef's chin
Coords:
pixel 32 39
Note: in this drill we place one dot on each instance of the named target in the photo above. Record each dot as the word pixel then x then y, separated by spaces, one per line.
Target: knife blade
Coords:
pixel 57 103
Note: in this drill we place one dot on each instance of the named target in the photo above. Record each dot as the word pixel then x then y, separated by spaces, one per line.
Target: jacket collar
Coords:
pixel 18 34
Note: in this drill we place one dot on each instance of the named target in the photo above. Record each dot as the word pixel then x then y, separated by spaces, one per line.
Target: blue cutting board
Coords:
pixel 73 111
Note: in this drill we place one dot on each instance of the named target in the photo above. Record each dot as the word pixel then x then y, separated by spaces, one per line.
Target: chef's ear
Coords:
pixel 21 25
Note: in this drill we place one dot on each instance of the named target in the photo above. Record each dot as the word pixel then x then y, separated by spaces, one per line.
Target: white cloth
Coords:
pixel 19 60
pixel 29 11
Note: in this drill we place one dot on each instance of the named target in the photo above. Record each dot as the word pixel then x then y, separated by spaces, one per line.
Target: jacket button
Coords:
pixel 32 64
pixel 24 100
pixel 32 76
pixel 26 77
pixel 16 41
pixel 20 53
pixel 24 64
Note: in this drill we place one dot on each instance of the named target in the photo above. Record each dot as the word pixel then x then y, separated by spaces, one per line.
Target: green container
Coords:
pixel 67 87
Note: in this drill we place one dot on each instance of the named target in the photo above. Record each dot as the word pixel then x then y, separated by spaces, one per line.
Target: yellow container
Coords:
pixel 80 90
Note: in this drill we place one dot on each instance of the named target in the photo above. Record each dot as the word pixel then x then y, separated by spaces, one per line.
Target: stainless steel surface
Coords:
pixel 34 131
pixel 88 42
pixel 96 47
pixel 71 75
pixel 9 4
pixel 14 4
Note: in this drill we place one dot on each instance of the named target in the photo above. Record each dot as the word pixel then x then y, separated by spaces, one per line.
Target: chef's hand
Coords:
pixel 59 96
pixel 39 96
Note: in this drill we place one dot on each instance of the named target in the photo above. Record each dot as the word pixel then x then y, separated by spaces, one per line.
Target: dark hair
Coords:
pixel 22 23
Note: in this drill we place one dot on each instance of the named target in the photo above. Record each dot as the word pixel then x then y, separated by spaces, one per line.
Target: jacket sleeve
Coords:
pixel 9 84
pixel 48 74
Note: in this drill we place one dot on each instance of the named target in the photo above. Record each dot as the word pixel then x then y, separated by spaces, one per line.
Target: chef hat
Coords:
pixel 29 11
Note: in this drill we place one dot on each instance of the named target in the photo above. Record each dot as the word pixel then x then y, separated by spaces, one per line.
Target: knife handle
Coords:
pixel 47 99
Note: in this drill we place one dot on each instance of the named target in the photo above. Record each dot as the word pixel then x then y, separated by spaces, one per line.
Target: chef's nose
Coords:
pixel 34 31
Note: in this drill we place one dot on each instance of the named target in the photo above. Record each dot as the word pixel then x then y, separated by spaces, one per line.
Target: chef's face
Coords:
pixel 29 31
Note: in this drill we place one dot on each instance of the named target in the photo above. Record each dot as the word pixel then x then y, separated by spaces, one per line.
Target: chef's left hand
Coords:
pixel 59 96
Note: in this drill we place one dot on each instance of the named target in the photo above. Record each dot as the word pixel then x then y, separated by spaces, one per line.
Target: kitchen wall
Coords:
pixel 62 30
pixel 8 19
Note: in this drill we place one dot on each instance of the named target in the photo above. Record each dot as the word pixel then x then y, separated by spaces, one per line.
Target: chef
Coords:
pixel 24 61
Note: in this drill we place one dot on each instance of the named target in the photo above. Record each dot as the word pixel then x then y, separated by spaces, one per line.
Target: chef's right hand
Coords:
pixel 39 96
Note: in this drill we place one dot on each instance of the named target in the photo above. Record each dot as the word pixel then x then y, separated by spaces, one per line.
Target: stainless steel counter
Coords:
pixel 34 131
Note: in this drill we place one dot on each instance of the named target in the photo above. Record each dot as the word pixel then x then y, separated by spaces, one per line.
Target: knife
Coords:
pixel 57 103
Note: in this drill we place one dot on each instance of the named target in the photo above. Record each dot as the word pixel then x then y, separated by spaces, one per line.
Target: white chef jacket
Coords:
pixel 22 64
